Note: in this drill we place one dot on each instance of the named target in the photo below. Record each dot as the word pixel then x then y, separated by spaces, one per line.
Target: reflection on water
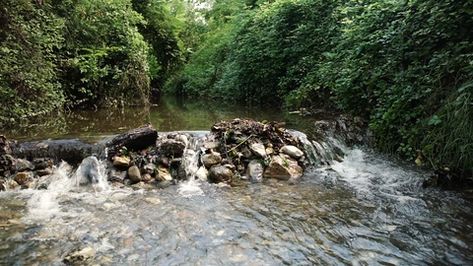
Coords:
pixel 170 114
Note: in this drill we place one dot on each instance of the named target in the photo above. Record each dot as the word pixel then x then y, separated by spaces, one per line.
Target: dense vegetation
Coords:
pixel 406 66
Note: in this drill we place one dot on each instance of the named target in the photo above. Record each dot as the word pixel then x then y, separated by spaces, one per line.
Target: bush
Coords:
pixel 105 58
pixel 29 40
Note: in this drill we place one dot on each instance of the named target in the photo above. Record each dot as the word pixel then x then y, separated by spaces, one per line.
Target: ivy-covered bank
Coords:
pixel 406 66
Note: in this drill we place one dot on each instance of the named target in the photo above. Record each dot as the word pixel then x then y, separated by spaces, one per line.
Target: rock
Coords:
pixel 255 171
pixel 117 175
pixel 134 174
pixel 154 201
pixel 220 173
pixel 43 172
pixel 211 145
pixel 121 162
pixel 258 149
pixel 246 153
pixel 3 187
pixel 163 161
pixel 5 145
pixel 141 185
pixel 230 166
pixel 292 151
pixel 23 177
pixel 163 174
pixel 42 163
pixel 81 257
pixel 11 184
pixel 212 158
pixel 182 138
pixel 269 150
pixel 147 178
pixel 164 184
pixel 202 173
pixel 150 169
pixel 88 171
pixel 171 147
pixel 23 165
pixel 283 168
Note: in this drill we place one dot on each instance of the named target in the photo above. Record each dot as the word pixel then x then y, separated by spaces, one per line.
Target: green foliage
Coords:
pixel 400 64
pixel 29 40
pixel 160 31
pixel 105 58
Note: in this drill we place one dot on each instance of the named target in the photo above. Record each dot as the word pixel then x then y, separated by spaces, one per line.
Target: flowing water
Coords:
pixel 366 209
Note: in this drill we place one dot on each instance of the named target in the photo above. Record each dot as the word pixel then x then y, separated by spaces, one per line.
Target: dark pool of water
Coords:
pixel 170 114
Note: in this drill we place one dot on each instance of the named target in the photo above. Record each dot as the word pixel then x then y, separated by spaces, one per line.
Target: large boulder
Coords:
pixel 220 173
pixel 283 168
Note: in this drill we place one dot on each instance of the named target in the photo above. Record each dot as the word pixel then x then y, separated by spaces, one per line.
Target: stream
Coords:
pixel 368 209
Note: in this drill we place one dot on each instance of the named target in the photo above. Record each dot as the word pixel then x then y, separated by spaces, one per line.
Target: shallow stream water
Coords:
pixel 366 210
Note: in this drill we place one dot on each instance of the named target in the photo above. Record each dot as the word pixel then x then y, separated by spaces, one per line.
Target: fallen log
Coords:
pixel 74 151
pixel 134 140
pixel 69 150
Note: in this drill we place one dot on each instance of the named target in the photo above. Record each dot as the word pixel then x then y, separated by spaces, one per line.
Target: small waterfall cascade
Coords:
pixel 44 203
pixel 92 171
pixel 322 151
pixel 190 165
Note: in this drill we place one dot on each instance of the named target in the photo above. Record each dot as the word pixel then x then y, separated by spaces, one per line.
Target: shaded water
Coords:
pixel 169 114
pixel 365 210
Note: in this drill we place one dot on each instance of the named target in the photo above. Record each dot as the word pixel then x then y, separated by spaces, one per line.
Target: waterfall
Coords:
pixel 44 204
pixel 190 163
